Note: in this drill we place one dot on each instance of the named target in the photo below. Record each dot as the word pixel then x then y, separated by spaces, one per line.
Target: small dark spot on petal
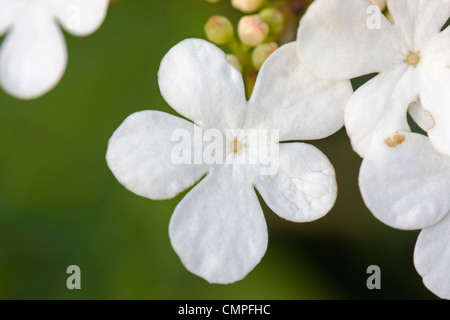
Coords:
pixel 395 140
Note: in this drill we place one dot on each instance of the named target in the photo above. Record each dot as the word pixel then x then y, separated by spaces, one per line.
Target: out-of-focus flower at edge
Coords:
pixel 405 177
pixel 405 183
pixel 339 39
pixel 33 55
pixel 218 229
pixel 264 22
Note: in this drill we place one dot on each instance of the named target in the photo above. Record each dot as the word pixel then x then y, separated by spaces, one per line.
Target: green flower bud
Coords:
pixel 274 19
pixel 219 30
pixel 262 52
pixel 247 6
pixel 252 30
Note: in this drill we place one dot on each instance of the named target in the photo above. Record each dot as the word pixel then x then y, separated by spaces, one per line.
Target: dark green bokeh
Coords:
pixel 60 205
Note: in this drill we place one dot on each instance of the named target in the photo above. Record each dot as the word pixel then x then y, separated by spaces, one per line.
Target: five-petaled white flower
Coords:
pixel 218 229
pixel 342 39
pixel 405 182
pixel 33 56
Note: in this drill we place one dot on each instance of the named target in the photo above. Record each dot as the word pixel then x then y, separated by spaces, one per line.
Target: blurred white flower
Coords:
pixel 405 183
pixel 344 39
pixel 33 55
pixel 218 229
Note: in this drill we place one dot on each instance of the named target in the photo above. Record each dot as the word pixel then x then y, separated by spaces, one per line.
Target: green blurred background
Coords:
pixel 60 205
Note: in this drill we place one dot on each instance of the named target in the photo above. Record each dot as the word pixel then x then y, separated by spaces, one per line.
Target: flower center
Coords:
pixel 413 58
pixel 236 145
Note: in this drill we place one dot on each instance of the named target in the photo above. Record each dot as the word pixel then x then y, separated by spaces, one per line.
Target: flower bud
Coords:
pixel 234 61
pixel 247 6
pixel 274 19
pixel 380 3
pixel 252 30
pixel 219 30
pixel 262 52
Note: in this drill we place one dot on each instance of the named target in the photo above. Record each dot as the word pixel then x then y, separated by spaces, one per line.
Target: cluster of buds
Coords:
pixel 264 25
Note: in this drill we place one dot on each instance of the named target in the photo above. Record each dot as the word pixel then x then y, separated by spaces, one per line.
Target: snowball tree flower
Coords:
pixel 33 55
pixel 218 229
pixel 405 183
pixel 344 39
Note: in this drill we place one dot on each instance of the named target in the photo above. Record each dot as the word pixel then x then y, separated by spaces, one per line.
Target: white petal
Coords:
pixel 6 17
pixel 419 20
pixel 405 182
pixel 304 188
pixel 337 39
pixel 80 17
pixel 218 230
pixel 33 55
pixel 196 80
pixel 289 98
pixel 140 155
pixel 436 54
pixel 379 108
pixel 432 257
pixel 421 117
pixel 435 99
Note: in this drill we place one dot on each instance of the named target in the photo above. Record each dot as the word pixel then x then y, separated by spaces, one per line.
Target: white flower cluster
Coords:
pixel 405 176
pixel 303 92
pixel 33 55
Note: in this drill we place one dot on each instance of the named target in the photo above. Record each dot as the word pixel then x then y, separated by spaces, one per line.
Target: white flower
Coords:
pixel 33 55
pixel 344 39
pixel 218 229
pixel 405 183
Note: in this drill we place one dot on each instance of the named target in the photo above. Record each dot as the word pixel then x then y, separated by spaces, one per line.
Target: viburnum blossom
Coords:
pixel 405 182
pixel 33 55
pixel 218 229
pixel 344 39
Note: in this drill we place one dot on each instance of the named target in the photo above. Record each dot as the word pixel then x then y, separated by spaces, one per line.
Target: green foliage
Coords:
pixel 60 204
